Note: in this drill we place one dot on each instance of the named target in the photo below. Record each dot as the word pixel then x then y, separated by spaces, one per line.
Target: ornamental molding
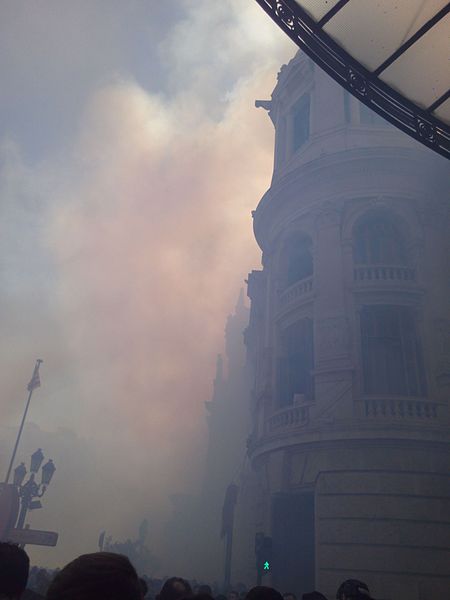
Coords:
pixel 332 338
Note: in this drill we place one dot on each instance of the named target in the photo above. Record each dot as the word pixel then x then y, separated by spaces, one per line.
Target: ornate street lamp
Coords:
pixel 29 491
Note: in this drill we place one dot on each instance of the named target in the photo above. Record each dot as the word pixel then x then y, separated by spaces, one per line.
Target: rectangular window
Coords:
pixel 391 353
pixel 300 123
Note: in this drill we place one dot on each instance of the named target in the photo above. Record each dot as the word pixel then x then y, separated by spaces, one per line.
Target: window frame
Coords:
pixel 410 335
pixel 302 99
pixel 365 244
pixel 285 396
pixel 288 250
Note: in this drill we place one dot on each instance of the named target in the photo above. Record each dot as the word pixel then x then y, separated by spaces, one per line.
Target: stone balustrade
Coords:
pixel 399 408
pixel 295 292
pixel 292 416
pixel 383 273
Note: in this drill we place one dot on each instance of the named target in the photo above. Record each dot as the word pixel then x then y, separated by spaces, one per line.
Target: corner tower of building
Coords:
pixel 349 339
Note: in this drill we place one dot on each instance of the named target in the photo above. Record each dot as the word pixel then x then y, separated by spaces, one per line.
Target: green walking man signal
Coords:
pixel 263 552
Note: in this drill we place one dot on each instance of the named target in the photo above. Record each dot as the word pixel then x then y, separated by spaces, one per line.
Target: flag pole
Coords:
pixel 34 383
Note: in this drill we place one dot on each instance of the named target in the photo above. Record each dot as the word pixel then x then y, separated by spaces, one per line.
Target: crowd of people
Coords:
pixel 110 576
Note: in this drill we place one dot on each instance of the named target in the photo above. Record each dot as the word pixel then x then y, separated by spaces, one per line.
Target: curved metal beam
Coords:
pixel 356 79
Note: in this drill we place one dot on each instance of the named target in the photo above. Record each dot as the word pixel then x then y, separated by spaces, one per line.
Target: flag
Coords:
pixel 35 380
pixel 228 509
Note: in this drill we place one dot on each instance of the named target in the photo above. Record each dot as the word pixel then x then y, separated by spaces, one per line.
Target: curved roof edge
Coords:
pixel 419 123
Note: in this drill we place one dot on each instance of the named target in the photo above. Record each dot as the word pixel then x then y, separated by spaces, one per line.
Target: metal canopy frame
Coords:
pixel 419 123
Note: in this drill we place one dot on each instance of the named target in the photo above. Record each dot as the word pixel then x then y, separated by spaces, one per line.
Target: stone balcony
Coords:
pixel 396 417
pixel 299 291
pixel 287 418
pixel 399 409
pixel 383 274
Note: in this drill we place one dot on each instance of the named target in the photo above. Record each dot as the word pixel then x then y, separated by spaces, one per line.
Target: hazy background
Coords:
pixel 131 156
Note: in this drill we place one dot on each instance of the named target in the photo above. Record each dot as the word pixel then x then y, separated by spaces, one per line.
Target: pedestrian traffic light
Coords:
pixel 263 551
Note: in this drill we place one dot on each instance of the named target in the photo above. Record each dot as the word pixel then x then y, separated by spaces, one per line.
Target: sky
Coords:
pixel 131 157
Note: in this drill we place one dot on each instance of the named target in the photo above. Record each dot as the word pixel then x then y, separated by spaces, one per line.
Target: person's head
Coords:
pixel 144 587
pixel 261 592
pixel 204 590
pixel 233 595
pixel 313 596
pixel 175 588
pixel 97 576
pixel 200 597
pixel 352 589
pixel 42 581
pixel 14 569
pixel 289 596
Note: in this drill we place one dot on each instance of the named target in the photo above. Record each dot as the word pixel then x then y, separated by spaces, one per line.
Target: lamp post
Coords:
pixel 31 489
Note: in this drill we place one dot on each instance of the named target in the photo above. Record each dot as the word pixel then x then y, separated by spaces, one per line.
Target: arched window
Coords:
pixel 296 260
pixel 296 363
pixel 378 241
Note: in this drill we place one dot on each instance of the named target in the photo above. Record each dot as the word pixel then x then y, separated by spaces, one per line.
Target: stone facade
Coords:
pixel 349 341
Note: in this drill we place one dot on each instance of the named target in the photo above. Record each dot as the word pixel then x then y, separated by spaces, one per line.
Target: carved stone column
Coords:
pixel 333 372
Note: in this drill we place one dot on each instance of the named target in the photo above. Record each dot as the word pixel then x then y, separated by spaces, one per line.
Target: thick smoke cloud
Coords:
pixel 123 253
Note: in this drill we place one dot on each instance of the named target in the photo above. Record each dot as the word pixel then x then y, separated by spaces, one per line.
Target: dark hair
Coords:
pixel 353 588
pixel 14 569
pixel 200 596
pixel 144 587
pixel 97 576
pixel 313 596
pixel 205 590
pixel 291 594
pixel 261 592
pixel 169 590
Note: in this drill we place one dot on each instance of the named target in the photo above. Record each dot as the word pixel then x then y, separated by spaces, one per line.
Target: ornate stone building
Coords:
pixel 349 340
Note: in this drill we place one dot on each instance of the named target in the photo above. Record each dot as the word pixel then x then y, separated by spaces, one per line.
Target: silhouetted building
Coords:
pixel 193 529
pixel 228 414
pixel 228 418
pixel 349 342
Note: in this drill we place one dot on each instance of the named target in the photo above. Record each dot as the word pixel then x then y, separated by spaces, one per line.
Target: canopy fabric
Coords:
pixel 393 55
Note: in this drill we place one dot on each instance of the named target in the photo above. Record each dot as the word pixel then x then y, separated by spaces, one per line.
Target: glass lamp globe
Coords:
pixel 19 474
pixel 36 461
pixel 47 472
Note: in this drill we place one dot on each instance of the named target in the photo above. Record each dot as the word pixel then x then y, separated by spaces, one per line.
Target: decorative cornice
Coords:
pixel 345 164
